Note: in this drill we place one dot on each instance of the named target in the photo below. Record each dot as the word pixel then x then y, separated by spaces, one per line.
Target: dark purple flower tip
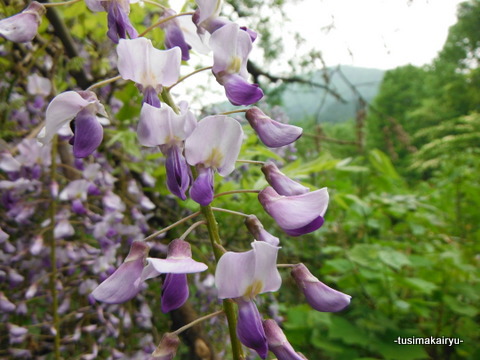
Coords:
pixel 240 92
pixel 88 134
pixel 316 224
pixel 272 133
pixel 125 283
pixel 174 292
pixel 23 27
pixel 202 188
pixel 250 329
pixel 150 97
pixel 253 34
pixel 167 348
pixel 318 295
pixel 78 208
pixel 179 175
pixel 174 37
pixel 256 228
pixel 118 23
pixel 281 182
pixel 278 343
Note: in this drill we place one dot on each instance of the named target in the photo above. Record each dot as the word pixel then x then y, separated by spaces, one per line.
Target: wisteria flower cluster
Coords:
pixel 195 152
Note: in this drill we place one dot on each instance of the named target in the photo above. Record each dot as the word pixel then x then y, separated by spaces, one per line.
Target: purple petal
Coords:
pixel 282 184
pixel 240 92
pixel 174 292
pixel 272 133
pixel 202 188
pixel 150 97
pixel 258 231
pixel 311 227
pixel 278 343
pixel 318 295
pixel 253 34
pixel 179 175
pixel 250 329
pixel 88 134
pixel 296 214
pixel 125 282
pixel 118 23
pixel 174 35
pixel 23 27
pixel 78 208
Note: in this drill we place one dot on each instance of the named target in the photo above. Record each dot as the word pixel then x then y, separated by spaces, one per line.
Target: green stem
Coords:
pixel 53 257
pixel 228 305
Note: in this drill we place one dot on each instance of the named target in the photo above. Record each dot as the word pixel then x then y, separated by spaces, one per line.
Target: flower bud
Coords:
pixel 282 184
pixel 167 348
pixel 318 295
pixel 23 27
pixel 258 231
pixel 278 343
pixel 272 133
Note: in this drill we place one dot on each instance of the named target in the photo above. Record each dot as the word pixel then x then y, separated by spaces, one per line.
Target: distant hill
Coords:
pixel 302 102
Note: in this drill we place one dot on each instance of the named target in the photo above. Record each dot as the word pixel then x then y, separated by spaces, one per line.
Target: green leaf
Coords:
pixel 393 258
pixel 382 164
pixel 460 308
pixel 421 285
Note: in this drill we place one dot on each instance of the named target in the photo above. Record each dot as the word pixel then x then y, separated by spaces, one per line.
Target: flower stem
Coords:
pixel 53 257
pixel 251 162
pixel 234 112
pixel 181 221
pixel 187 76
pixel 63 3
pixel 228 305
pixel 245 191
pixel 191 228
pixel 230 211
pixel 151 27
pixel 104 82
pixel 195 322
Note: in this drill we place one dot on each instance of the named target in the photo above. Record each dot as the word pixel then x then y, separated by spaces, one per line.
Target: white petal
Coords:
pixel 177 266
pixel 266 266
pixel 216 143
pixel 234 274
pixel 140 62
pixel 62 109
pixel 159 126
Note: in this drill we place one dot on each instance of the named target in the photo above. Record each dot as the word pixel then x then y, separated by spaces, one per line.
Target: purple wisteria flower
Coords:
pixel 119 24
pixel 318 295
pixel 272 133
pixel 213 145
pixel 83 107
pixel 256 228
pixel 278 343
pixel 282 184
pixel 23 27
pixel 298 214
pixel 125 283
pixel 231 47
pixel 242 276
pixel 177 265
pixel 163 127
pixel 148 67
pixel 174 35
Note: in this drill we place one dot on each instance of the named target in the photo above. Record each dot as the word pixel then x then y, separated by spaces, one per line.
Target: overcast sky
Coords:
pixel 374 33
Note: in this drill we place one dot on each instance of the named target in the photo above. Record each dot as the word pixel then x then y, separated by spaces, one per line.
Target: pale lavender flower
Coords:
pixel 231 47
pixel 256 228
pixel 242 276
pixel 23 27
pixel 38 85
pixel 148 67
pixel 177 265
pixel 174 34
pixel 282 184
pixel 6 305
pixel 318 295
pixel 272 133
pixel 278 343
pixel 83 106
pixel 163 127
pixel 296 215
pixel 119 24
pixel 125 283
pixel 213 145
